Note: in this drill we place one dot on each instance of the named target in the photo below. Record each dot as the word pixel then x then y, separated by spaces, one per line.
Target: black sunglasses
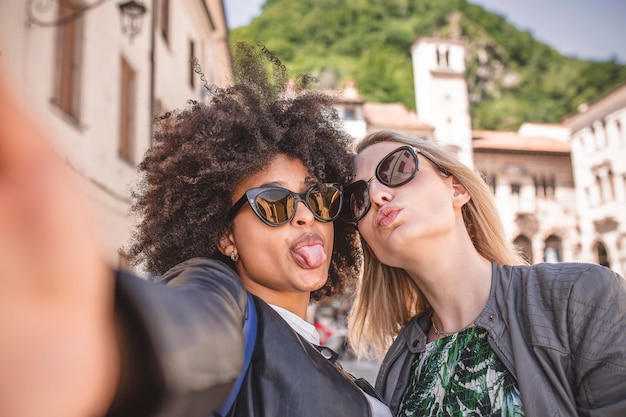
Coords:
pixel 395 169
pixel 276 206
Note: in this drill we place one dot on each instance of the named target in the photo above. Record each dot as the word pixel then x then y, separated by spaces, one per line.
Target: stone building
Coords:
pixel 598 140
pixel 441 93
pixel 531 177
pixel 95 78
pixel 360 117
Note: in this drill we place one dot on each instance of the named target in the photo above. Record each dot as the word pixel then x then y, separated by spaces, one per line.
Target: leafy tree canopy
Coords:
pixel 512 77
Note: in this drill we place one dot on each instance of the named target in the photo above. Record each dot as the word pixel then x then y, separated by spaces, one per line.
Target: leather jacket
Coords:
pixel 181 348
pixel 191 340
pixel 559 328
pixel 290 377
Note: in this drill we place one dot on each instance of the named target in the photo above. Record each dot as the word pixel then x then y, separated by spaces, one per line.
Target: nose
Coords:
pixel 303 214
pixel 379 193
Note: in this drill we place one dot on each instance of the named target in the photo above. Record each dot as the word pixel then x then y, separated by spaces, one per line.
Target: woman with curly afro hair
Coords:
pixel 204 156
pixel 251 184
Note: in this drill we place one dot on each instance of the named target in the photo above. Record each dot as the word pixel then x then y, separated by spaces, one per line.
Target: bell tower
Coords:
pixel 441 93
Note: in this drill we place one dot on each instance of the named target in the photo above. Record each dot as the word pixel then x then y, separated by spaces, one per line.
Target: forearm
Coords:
pixel 181 347
pixel 58 354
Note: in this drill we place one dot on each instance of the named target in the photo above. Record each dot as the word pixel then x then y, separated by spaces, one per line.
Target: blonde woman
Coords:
pixel 468 327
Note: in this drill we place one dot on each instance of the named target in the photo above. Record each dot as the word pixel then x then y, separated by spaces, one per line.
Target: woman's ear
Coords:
pixel 226 244
pixel 460 195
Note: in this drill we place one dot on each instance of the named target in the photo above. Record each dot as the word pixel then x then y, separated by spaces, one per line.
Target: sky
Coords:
pixel 586 29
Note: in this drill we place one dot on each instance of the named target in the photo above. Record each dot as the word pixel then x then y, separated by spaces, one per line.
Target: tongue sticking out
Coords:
pixel 310 257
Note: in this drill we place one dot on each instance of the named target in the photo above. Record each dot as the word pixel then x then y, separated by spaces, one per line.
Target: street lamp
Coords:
pixel 131 13
pixel 131 17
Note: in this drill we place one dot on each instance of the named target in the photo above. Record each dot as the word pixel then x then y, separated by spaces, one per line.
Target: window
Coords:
pixel 68 61
pixel 599 134
pixel 545 185
pixel 602 255
pixel 552 250
pixel 164 20
pixel 524 246
pixel 515 189
pixel 589 196
pixel 127 113
pixel 611 183
pixel 443 56
pixel 192 62
pixel 600 190
pixel 588 139
pixel 621 134
pixel 349 113
pixel 550 190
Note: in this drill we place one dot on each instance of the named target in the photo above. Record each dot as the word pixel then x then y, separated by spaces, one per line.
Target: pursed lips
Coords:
pixel 386 216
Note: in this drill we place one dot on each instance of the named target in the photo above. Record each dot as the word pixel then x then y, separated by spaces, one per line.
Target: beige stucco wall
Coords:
pixel 27 52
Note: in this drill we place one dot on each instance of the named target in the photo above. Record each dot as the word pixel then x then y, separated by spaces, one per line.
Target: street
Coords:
pixel 365 368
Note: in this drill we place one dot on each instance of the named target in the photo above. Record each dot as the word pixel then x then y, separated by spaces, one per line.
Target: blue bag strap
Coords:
pixel 249 335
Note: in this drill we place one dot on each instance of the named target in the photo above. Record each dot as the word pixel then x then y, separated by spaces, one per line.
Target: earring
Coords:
pixel 234 256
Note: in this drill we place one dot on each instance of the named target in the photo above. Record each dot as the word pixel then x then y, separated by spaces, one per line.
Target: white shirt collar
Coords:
pixel 299 325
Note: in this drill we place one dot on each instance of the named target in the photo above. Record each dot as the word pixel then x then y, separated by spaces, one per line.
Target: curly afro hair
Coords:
pixel 202 152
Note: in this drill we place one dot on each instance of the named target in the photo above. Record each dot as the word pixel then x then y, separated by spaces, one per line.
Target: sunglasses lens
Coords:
pixel 324 200
pixel 275 206
pixel 397 168
pixel 358 199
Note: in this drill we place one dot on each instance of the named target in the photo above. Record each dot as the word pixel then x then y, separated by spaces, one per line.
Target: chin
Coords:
pixel 314 283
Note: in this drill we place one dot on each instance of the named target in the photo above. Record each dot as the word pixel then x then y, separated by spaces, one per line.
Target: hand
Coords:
pixel 58 352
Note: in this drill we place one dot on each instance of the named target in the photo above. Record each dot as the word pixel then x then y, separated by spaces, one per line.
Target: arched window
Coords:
pixel 621 134
pixel 611 182
pixel 602 255
pixel 443 56
pixel 552 249
pixel 524 246
pixel 600 190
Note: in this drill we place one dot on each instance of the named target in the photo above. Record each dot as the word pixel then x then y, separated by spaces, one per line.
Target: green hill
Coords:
pixel 512 77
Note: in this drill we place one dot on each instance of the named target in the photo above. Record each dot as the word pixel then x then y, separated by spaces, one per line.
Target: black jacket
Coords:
pixel 183 345
pixel 290 377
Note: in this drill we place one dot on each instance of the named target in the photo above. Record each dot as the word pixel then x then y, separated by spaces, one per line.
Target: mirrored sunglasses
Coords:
pixel 276 206
pixel 395 169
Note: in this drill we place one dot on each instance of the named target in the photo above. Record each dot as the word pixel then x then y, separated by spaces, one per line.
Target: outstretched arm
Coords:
pixel 76 339
pixel 58 350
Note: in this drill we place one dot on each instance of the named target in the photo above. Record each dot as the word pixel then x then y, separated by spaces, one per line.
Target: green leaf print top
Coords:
pixel 460 375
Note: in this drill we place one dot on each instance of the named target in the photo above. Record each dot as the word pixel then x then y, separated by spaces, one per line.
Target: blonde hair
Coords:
pixel 387 298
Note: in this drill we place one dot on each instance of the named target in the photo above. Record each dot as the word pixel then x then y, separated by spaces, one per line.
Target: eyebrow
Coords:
pixel 280 184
